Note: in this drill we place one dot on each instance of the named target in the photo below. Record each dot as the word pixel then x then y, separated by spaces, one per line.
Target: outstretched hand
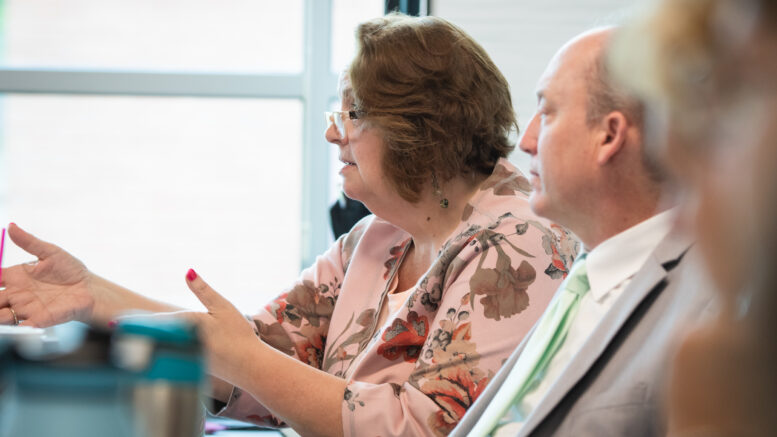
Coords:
pixel 305 397
pixel 52 290
pixel 227 335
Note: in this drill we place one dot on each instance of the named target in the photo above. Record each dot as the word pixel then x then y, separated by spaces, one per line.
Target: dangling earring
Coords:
pixel 438 192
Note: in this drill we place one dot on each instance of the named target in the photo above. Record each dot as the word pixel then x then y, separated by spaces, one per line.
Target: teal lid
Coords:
pixel 176 368
pixel 167 331
pixel 175 353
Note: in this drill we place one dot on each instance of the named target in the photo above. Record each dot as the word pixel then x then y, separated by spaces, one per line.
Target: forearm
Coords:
pixel 307 399
pixel 112 300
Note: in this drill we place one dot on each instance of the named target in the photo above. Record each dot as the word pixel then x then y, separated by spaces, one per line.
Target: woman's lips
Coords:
pixel 347 165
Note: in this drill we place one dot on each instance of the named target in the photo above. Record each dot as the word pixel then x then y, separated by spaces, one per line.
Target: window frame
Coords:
pixel 315 87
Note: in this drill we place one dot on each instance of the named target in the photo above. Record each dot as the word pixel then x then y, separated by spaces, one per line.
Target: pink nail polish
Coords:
pixel 191 275
pixel 112 324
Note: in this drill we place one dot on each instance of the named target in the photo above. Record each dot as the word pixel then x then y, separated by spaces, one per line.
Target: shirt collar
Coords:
pixel 619 257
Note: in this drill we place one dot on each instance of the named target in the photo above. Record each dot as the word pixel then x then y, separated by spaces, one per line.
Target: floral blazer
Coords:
pixel 419 372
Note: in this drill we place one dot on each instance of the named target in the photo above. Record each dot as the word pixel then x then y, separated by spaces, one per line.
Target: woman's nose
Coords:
pixel 332 135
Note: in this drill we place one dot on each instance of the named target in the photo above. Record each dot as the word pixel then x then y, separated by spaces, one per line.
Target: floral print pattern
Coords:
pixel 405 338
pixel 426 364
pixel 460 381
pixel 395 254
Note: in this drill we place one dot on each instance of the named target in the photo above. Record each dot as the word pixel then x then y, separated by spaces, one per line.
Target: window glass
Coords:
pixel 228 35
pixel 346 15
pixel 143 188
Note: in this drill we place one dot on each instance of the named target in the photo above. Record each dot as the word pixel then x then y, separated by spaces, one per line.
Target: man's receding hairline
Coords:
pixel 585 50
pixel 597 35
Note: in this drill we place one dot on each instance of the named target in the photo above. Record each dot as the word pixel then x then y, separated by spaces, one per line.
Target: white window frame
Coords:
pixel 314 87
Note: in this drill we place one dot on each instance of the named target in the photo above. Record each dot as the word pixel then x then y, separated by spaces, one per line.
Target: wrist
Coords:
pixel 104 299
pixel 243 373
pixel 92 311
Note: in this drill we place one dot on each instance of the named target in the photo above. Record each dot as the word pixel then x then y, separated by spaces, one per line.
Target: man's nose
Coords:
pixel 528 141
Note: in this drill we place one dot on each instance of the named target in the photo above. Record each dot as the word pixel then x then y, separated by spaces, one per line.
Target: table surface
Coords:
pixel 244 432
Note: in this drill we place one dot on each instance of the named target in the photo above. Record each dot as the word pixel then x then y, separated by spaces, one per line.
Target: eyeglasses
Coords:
pixel 337 118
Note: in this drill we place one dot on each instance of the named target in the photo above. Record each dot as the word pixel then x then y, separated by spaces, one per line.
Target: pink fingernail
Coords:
pixel 191 275
pixel 112 324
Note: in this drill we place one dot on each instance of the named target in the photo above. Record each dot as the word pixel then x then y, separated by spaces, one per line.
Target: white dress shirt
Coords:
pixel 611 265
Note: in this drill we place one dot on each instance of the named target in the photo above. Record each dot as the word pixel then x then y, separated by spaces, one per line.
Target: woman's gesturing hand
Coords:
pixel 225 331
pixel 306 398
pixel 54 289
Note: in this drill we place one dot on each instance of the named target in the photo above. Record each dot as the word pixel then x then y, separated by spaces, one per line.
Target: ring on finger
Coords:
pixel 15 318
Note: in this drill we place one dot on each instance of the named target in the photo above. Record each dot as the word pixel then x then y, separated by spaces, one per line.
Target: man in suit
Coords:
pixel 595 363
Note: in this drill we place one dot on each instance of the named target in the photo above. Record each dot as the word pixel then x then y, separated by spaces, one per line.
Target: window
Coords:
pixel 149 137
pixel 189 35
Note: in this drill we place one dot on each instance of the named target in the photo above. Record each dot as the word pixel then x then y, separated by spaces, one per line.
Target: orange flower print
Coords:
pixel 454 393
pixel 556 269
pixel 561 246
pixel 277 307
pixel 405 338
pixel 459 382
pixel 455 379
pixel 311 350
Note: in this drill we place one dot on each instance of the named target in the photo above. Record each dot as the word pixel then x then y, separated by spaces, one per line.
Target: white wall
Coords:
pixel 522 35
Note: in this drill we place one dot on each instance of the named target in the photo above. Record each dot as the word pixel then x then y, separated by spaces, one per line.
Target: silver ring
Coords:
pixel 15 319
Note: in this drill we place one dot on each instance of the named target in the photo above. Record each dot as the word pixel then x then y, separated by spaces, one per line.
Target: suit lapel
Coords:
pixel 642 284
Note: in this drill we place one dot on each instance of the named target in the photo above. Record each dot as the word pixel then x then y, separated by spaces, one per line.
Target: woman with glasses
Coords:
pixel 399 326
pixel 714 88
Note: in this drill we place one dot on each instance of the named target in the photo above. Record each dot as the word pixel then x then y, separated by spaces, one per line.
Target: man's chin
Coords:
pixel 539 205
pixel 536 203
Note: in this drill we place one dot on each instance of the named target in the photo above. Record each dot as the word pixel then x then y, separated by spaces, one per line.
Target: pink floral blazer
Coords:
pixel 418 372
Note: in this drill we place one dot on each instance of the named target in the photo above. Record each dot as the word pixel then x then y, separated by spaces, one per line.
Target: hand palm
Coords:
pixel 50 291
pixel 59 284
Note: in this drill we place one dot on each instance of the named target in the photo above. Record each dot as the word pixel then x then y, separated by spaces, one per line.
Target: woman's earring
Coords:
pixel 438 192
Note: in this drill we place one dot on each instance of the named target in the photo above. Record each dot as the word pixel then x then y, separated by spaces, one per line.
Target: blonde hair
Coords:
pixel 702 60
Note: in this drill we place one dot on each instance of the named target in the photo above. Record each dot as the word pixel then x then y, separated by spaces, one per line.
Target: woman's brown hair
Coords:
pixel 441 104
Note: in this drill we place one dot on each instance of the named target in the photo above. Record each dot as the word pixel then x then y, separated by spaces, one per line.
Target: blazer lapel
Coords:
pixel 642 284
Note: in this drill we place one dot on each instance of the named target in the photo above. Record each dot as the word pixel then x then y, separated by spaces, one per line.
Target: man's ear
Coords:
pixel 614 128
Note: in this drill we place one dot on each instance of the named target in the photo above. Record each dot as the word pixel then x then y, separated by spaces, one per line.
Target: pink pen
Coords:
pixel 2 245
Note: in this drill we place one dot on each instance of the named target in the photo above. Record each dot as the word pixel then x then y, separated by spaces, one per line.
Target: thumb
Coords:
pixel 207 295
pixel 29 243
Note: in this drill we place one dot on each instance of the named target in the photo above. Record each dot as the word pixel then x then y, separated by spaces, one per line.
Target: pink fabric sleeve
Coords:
pixel 485 311
pixel 296 322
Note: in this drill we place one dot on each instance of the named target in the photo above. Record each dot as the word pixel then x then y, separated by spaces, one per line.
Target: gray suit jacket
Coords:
pixel 615 385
